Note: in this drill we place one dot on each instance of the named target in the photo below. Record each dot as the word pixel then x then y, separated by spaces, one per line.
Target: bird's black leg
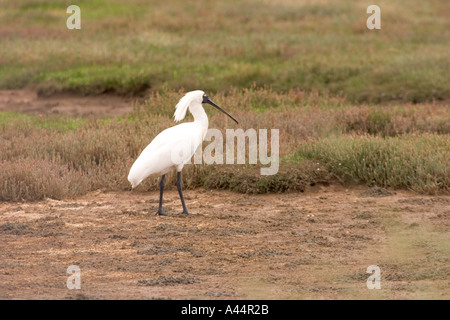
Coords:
pixel 161 191
pixel 185 210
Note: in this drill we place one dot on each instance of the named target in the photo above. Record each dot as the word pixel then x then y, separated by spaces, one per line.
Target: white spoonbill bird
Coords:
pixel 174 147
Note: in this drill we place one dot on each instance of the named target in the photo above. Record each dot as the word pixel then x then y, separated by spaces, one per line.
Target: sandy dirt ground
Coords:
pixel 28 101
pixel 312 245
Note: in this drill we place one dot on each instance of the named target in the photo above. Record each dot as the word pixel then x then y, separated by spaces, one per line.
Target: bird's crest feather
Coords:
pixel 184 103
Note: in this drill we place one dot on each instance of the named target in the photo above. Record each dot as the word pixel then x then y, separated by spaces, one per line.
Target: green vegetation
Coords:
pixel 24 122
pixel 420 163
pixel 135 46
pixel 344 98
pixel 322 139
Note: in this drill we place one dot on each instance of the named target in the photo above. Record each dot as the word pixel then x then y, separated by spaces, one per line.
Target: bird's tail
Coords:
pixel 133 180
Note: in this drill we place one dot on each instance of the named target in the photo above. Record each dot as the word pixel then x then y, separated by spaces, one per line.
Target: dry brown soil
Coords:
pixel 28 101
pixel 313 245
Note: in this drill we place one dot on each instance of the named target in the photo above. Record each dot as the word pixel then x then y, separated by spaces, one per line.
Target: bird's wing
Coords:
pixel 173 147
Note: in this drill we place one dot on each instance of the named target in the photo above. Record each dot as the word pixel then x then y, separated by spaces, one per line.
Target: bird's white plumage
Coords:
pixel 175 146
pixel 185 102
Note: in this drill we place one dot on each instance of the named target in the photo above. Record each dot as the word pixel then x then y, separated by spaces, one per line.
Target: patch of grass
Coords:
pixel 38 179
pixel 128 47
pixel 420 163
pixel 52 123
pixel 400 146
pixel 247 179
pixel 123 80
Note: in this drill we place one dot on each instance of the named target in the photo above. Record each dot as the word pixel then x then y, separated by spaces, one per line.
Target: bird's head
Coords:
pixel 199 97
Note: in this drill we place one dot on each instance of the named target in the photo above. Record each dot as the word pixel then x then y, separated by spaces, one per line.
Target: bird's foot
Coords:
pixel 187 213
pixel 161 213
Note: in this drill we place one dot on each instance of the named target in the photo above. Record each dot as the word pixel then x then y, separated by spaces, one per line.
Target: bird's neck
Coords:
pixel 199 114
